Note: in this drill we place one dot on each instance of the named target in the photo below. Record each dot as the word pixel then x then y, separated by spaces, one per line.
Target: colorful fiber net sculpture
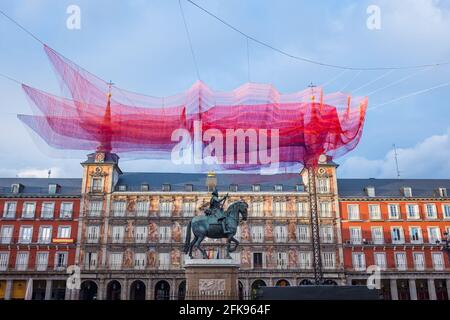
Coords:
pixel 94 115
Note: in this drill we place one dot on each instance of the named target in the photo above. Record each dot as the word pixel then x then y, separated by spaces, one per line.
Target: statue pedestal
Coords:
pixel 211 279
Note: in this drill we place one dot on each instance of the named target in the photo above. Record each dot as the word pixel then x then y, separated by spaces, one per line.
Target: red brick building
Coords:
pixel 398 225
pixel 38 236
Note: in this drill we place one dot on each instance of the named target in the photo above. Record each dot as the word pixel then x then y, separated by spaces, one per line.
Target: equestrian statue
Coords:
pixel 216 224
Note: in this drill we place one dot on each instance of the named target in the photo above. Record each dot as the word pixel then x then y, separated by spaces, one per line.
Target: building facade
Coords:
pixel 399 226
pixel 126 232
pixel 38 236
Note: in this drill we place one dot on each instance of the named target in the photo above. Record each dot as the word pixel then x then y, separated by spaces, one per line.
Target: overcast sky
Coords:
pixel 141 45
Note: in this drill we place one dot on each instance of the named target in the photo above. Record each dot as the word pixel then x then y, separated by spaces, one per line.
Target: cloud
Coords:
pixel 429 158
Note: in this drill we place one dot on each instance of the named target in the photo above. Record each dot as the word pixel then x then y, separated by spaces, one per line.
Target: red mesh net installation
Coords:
pixel 298 127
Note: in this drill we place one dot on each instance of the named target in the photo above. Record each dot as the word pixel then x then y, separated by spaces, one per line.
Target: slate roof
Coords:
pixel 39 186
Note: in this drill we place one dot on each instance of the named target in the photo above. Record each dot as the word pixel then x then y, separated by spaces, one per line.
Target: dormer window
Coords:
pixel 53 188
pixel 278 187
pixel 188 187
pixel 145 187
pixel 16 188
pixel 256 188
pixel 370 191
pixel 299 188
pixel 166 187
pixel 233 187
pixel 407 192
pixel 122 187
pixel 443 192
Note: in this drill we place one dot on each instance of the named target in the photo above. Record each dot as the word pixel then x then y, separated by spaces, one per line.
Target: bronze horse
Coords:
pixel 209 226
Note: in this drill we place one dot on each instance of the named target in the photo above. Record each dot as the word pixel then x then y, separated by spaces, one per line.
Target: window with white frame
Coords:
pixel 142 208
pixel 438 260
pixel 419 260
pixel 329 260
pixel 6 234
pixel 412 211
pixel 325 209
pixel 434 235
pixel 165 208
pixel 140 234
pixel 95 208
pixel 64 232
pixel 4 260
pixel 164 234
pixel 446 211
pixel 407 192
pixel 22 261
pixel 303 233
pixel 304 259
pixel 47 210
pixel 28 210
pixel 9 210
pixel 97 185
pixel 353 211
pixel 397 235
pixel 355 235
pixel 400 260
pixel 380 260
pixel 164 260
pixel 377 235
pixel 443 192
pixel 92 234
pixel 282 260
pixel 139 261
pixel 118 234
pixel 188 208
pixel 257 209
pixel 119 208
pixel 25 234
pixel 359 261
pixel 302 209
pixel 66 210
pixel 415 234
pixel 374 212
pixel 45 234
pixel 394 211
pixel 257 233
pixel 323 185
pixel 280 233
pixel 326 234
pixel 41 261
pixel 115 260
pixel 431 211
pixel 90 260
pixel 279 208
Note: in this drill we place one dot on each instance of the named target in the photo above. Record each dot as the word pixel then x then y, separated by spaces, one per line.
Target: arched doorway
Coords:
pixel 329 282
pixel 422 289
pixel 256 288
pixel 441 289
pixel 113 290
pixel 403 289
pixel 162 290
pixel 282 283
pixel 240 290
pixel 182 290
pixel 137 290
pixel 88 290
pixel 305 282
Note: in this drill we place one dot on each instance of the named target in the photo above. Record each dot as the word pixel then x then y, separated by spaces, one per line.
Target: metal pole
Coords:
pixel 315 231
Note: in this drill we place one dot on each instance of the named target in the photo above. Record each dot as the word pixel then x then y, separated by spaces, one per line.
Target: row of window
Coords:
pixel 163 233
pixel 41 261
pixel 412 211
pixel 397 235
pixel 400 260
pixel 119 208
pixel 29 210
pixel 303 260
pixel 45 234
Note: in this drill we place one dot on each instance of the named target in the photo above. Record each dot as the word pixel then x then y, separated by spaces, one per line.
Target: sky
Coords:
pixel 141 45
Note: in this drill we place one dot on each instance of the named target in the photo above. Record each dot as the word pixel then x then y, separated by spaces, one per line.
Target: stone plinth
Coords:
pixel 209 279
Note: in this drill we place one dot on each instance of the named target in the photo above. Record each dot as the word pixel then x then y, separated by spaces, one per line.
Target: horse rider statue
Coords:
pixel 216 209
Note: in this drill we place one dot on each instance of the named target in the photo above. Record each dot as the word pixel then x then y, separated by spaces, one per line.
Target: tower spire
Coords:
pixel 105 127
